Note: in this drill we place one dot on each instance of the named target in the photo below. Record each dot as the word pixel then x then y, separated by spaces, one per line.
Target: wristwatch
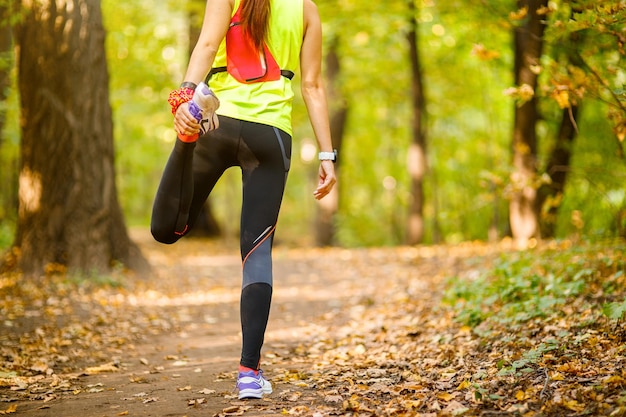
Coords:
pixel 328 156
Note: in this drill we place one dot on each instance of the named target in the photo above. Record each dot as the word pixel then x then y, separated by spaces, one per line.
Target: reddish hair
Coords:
pixel 255 17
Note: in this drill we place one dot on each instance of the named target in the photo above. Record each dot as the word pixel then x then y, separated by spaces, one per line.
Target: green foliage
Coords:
pixel 539 283
pixel 146 53
pixel 6 233
pixel 527 361
pixel 586 60
pixel 615 310
pixel 595 196
pixel 97 279
pixel 467 61
pixel 9 160
pixel 468 121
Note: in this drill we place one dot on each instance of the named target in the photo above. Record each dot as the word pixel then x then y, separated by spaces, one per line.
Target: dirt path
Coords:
pixel 169 346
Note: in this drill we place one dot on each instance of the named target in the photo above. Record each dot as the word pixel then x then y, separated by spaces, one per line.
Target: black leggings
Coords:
pixel 264 154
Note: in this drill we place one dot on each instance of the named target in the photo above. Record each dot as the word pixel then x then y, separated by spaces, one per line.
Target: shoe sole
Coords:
pixel 255 393
pixel 251 393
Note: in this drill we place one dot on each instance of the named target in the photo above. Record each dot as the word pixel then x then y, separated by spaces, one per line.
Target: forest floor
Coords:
pixel 352 332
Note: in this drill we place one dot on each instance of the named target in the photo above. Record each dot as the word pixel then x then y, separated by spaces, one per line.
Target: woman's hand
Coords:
pixel 327 179
pixel 184 123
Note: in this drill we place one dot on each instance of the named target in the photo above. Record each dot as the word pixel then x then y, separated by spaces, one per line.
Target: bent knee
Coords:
pixel 164 236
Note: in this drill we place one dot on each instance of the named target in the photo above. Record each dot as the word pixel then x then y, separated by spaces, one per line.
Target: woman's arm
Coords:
pixel 217 17
pixel 314 94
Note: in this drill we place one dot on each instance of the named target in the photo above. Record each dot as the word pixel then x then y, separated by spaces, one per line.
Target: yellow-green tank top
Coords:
pixel 267 102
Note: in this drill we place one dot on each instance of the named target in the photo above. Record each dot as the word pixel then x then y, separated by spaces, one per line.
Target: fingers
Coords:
pixel 321 193
pixel 323 190
pixel 184 122
pixel 327 180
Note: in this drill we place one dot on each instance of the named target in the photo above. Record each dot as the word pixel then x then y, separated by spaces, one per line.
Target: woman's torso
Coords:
pixel 265 102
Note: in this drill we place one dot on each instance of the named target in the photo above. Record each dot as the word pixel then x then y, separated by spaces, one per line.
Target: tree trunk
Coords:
pixel 328 206
pixel 550 195
pixel 417 151
pixel 68 215
pixel 524 212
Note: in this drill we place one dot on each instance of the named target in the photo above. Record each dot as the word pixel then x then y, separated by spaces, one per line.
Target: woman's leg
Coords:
pixel 264 156
pixel 190 174
pixel 170 211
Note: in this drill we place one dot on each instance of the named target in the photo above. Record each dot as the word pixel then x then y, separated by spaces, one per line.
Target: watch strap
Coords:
pixel 328 156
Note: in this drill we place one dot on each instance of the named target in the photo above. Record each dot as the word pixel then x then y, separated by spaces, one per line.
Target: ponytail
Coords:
pixel 255 16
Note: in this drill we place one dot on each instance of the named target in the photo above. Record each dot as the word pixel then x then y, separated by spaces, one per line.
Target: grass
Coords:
pixel 536 283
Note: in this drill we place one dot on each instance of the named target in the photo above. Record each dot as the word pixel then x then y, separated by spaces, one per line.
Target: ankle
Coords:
pixel 246 369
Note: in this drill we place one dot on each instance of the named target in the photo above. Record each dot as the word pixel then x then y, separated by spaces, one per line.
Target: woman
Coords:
pixel 254 133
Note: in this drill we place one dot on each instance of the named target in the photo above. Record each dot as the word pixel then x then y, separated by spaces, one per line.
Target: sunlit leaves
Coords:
pixel 483 53
pixel 521 94
pixel 590 35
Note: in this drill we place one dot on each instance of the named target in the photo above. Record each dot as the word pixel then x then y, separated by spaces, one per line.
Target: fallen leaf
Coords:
pixel 557 376
pixel 207 391
pixel 107 367
pixel 463 385
pixel 10 410
pixel 445 396
pixel 137 379
pixel 333 398
pixel 574 405
pixel 456 408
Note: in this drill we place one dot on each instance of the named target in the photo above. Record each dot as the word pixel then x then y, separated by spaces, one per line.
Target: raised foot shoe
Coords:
pixel 253 385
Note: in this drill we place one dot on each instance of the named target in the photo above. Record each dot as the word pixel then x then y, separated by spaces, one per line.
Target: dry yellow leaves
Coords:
pixel 10 410
pixel 394 349
pixel 483 53
pixel 464 385
pixel 445 396
pixel 557 376
pixel 561 96
pixel 107 367
pixel 574 405
pixel 519 14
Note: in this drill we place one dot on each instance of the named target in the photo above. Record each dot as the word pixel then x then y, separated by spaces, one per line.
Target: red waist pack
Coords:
pixel 243 61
